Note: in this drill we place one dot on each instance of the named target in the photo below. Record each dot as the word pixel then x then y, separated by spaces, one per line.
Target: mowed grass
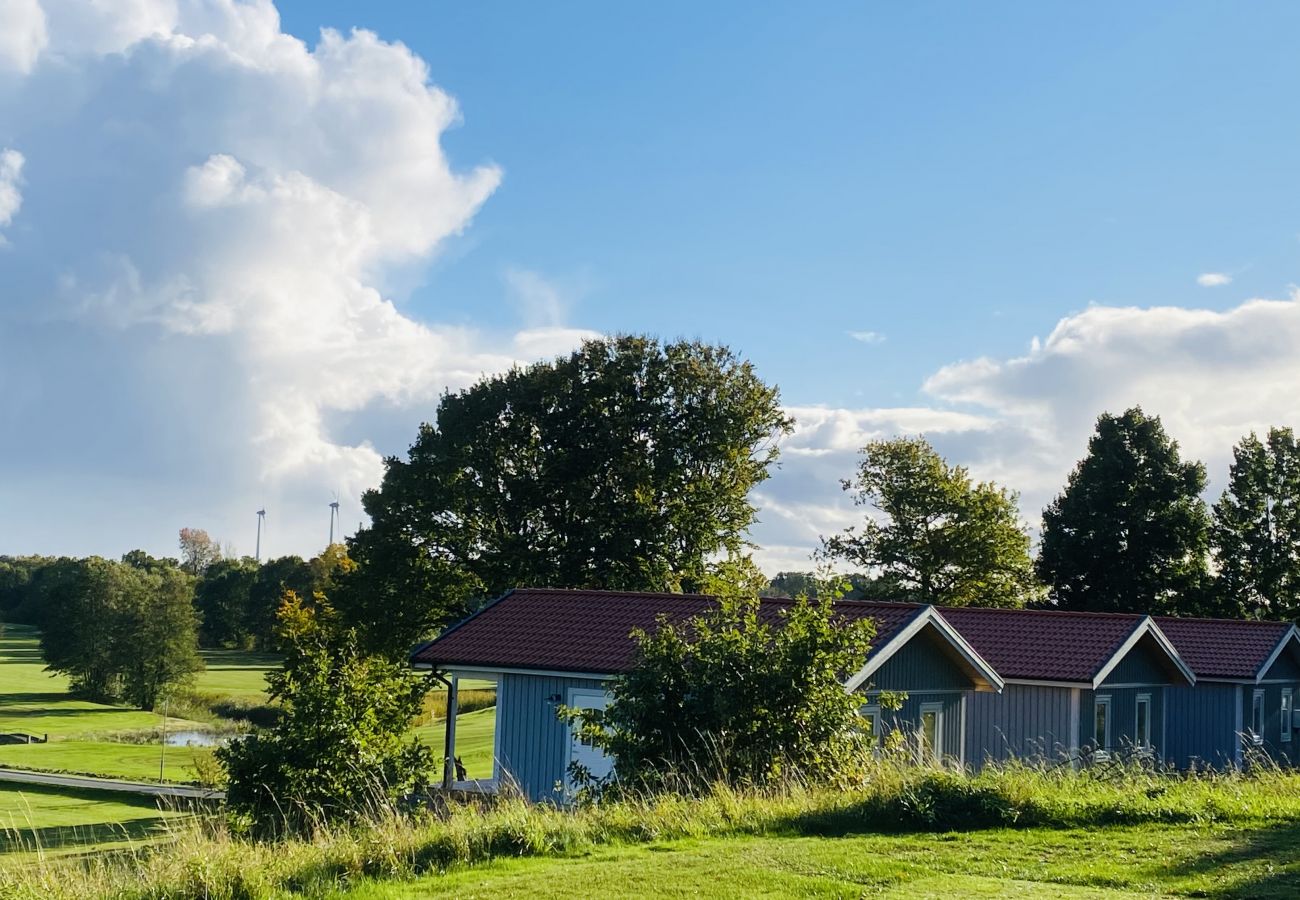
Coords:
pixel 235 673
pixel 42 820
pixel 1111 862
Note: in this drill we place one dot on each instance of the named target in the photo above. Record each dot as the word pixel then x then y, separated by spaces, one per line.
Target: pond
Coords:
pixel 196 739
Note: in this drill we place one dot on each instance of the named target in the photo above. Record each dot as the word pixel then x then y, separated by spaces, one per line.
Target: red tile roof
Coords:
pixel 1224 648
pixel 589 631
pixel 1043 645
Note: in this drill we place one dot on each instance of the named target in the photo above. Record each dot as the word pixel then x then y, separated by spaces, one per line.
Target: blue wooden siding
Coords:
pixel 532 743
pixel 1284 668
pixel 1201 727
pixel 908 718
pixel 1024 721
pixel 1280 750
pixel 1143 664
pixel 923 664
pixel 1123 717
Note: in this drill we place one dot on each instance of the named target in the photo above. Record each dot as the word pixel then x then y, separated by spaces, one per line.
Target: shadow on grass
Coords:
pixel 1261 862
pixel 19 833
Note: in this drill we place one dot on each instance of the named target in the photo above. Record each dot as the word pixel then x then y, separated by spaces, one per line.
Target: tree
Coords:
pixel 626 465
pixel 936 536
pixel 342 748
pixel 198 551
pixel 157 637
pixel 274 579
pixel 729 696
pixel 118 631
pixel 223 601
pixel 1130 531
pixel 1256 529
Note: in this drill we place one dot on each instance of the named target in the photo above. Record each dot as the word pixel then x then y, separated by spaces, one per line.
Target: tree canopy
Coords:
pixel 1130 531
pixel 1256 529
pixel 625 465
pixel 935 535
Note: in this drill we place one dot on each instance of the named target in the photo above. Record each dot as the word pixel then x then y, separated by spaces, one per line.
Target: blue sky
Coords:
pixel 951 177
pixel 240 257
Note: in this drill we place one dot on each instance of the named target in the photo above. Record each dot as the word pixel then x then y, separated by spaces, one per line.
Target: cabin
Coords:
pixel 1078 686
pixel 548 648
pixel 1244 703
pixel 982 685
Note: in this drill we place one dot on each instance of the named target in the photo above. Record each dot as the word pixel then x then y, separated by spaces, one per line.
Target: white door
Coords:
pixel 583 751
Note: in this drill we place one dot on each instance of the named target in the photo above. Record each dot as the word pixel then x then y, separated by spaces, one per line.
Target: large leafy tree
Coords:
pixel 625 465
pixel 1130 531
pixel 1256 529
pixel 118 631
pixel 934 534
pixel 223 601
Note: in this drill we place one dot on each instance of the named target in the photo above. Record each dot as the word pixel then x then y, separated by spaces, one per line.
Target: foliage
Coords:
pixel 198 550
pixel 1130 532
pixel 119 631
pixel 223 600
pixel 207 861
pixel 736 696
pixel 339 749
pixel 936 536
pixel 1256 529
pixel 626 465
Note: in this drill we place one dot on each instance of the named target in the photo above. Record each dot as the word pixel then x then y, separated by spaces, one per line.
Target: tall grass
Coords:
pixel 200 858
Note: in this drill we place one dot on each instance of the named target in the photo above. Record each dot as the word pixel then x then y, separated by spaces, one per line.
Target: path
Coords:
pixel 103 784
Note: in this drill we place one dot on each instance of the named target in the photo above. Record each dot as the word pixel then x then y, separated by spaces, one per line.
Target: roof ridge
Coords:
pixel 1217 620
pixel 1080 613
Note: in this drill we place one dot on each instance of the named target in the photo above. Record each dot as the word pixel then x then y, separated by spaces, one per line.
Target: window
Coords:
pixel 1257 718
pixel 598 718
pixel 1101 724
pixel 1142 725
pixel 1288 700
pixel 929 736
pixel 871 724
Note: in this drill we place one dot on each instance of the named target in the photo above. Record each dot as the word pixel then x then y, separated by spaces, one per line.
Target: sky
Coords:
pixel 245 247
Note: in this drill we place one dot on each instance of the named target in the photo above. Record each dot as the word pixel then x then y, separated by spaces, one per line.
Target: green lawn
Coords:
pixel 474 740
pixel 235 673
pixel 1212 861
pixel 42 819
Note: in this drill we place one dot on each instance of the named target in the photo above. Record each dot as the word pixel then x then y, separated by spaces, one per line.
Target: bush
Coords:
pixel 731 696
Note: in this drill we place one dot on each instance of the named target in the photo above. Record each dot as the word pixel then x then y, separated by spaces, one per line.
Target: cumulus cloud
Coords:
pixel 195 322
pixel 22 35
pixel 867 337
pixel 1024 421
pixel 1213 279
pixel 11 198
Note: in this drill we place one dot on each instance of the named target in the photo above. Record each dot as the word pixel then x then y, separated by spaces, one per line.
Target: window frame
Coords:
pixel 1257 716
pixel 1142 741
pixel 871 714
pixel 936 752
pixel 1101 744
pixel 1287 705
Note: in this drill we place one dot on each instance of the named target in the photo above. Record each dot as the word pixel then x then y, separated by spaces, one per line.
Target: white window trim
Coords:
pixel 1101 748
pixel 937 709
pixel 1257 702
pixel 1142 742
pixel 873 713
pixel 1288 710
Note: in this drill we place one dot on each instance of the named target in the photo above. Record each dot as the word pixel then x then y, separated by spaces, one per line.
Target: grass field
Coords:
pixel 43 820
pixel 1209 861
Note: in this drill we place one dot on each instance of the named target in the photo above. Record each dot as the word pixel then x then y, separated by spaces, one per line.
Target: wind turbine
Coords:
pixel 334 516
pixel 261 516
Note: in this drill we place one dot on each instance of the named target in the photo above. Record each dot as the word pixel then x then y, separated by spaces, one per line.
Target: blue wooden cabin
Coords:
pixel 981 685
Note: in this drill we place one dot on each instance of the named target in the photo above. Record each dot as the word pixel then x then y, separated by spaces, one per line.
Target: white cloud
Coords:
pixel 867 337
pixel 1024 421
pixel 197 325
pixel 11 198
pixel 540 301
pixel 22 35
pixel 1213 279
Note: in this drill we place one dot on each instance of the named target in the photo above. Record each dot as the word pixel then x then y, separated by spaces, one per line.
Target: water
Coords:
pixel 196 739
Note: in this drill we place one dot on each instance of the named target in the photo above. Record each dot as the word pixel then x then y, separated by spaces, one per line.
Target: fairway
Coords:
pixel 48 820
pixel 1261 862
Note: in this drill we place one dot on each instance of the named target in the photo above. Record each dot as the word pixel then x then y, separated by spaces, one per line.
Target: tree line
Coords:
pixel 130 629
